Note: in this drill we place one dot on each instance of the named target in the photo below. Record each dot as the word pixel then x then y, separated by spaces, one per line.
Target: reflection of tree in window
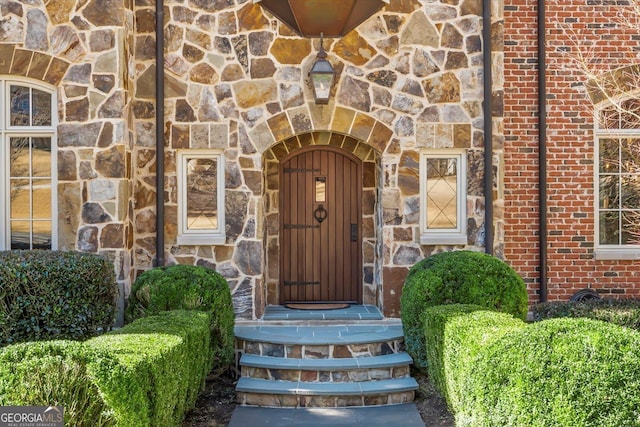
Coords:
pixel 202 193
pixel 41 114
pixel 29 107
pixel 30 193
pixel 619 181
pixel 27 142
pixel 19 161
pixel 630 190
pixel 20 106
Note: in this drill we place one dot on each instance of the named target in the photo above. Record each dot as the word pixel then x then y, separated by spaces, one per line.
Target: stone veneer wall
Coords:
pixel 409 78
pixel 82 48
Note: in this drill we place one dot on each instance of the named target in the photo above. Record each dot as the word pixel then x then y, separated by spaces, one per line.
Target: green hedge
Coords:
pixel 55 373
pixel 55 295
pixel 163 362
pixel 190 288
pixel 148 373
pixel 459 277
pixel 413 302
pixel 454 335
pixel 559 372
pixel 623 312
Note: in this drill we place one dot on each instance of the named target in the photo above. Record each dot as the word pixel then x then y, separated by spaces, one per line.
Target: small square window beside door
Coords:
pixel 200 197
pixel 443 197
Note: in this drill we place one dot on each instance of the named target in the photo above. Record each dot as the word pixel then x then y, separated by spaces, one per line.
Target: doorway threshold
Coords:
pixel 353 312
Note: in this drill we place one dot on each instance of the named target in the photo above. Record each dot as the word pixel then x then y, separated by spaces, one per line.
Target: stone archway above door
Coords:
pixel 313 118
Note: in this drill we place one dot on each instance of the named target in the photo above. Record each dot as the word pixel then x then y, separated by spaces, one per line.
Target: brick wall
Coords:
pixel 570 140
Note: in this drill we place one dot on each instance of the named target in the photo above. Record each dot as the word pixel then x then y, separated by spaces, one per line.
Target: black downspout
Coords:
pixel 159 259
pixel 542 146
pixel 488 126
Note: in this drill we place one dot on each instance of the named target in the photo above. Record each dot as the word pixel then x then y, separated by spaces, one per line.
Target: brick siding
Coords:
pixel 570 153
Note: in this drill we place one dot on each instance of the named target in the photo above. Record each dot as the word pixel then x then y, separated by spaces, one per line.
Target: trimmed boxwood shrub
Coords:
pixel 435 324
pixel 187 287
pixel 148 373
pixel 54 295
pixel 559 372
pixel 55 373
pixel 413 302
pixel 623 312
pixel 459 277
pixel 455 334
pixel 162 364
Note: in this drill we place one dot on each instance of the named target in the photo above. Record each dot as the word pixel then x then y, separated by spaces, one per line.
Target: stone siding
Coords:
pixel 409 78
pixel 571 153
pixel 85 53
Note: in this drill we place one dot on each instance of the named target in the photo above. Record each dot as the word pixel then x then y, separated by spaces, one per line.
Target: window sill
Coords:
pixel 201 239
pixel 609 254
pixel 443 239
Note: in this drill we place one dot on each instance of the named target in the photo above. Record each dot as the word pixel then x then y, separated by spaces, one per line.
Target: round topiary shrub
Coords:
pixel 460 277
pixel 559 372
pixel 187 287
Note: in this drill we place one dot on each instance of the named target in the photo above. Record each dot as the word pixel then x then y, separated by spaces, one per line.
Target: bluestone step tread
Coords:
pixel 396 385
pixel 268 362
pixel 354 312
pixel 313 335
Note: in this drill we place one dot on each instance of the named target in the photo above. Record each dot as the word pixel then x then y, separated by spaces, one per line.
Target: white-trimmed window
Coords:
pixel 201 197
pixel 617 182
pixel 443 197
pixel 28 217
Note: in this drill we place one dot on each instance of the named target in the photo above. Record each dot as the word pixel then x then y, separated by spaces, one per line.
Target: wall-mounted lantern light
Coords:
pixel 322 76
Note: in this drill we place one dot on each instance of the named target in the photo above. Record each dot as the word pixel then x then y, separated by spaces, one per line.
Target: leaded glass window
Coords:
pixel 443 197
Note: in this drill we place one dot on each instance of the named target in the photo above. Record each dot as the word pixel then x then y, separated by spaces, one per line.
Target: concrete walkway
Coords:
pixel 405 415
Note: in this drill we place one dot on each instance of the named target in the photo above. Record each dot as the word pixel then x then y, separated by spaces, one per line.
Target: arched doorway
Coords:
pixel 369 217
pixel 321 226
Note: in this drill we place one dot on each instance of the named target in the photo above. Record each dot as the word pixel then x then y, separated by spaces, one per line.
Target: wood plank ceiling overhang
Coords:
pixel 331 18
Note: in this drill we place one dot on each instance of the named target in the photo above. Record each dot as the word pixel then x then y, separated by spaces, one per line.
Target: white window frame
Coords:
pixel 439 236
pixel 200 237
pixel 608 252
pixel 6 132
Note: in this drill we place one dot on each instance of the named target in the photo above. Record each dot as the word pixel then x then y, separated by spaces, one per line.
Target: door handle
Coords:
pixel 354 232
pixel 320 214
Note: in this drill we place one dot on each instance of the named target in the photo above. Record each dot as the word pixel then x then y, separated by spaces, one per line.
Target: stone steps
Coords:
pixel 323 365
pixel 258 392
pixel 320 341
pixel 326 370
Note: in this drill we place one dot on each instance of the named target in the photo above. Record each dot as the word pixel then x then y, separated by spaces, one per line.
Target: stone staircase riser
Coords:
pixel 320 351
pixel 302 401
pixel 354 375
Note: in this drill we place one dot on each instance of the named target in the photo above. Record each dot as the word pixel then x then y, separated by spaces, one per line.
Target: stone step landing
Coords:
pixel 323 365
pixel 320 341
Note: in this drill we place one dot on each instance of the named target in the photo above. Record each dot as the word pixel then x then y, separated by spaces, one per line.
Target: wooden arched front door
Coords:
pixel 320 226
